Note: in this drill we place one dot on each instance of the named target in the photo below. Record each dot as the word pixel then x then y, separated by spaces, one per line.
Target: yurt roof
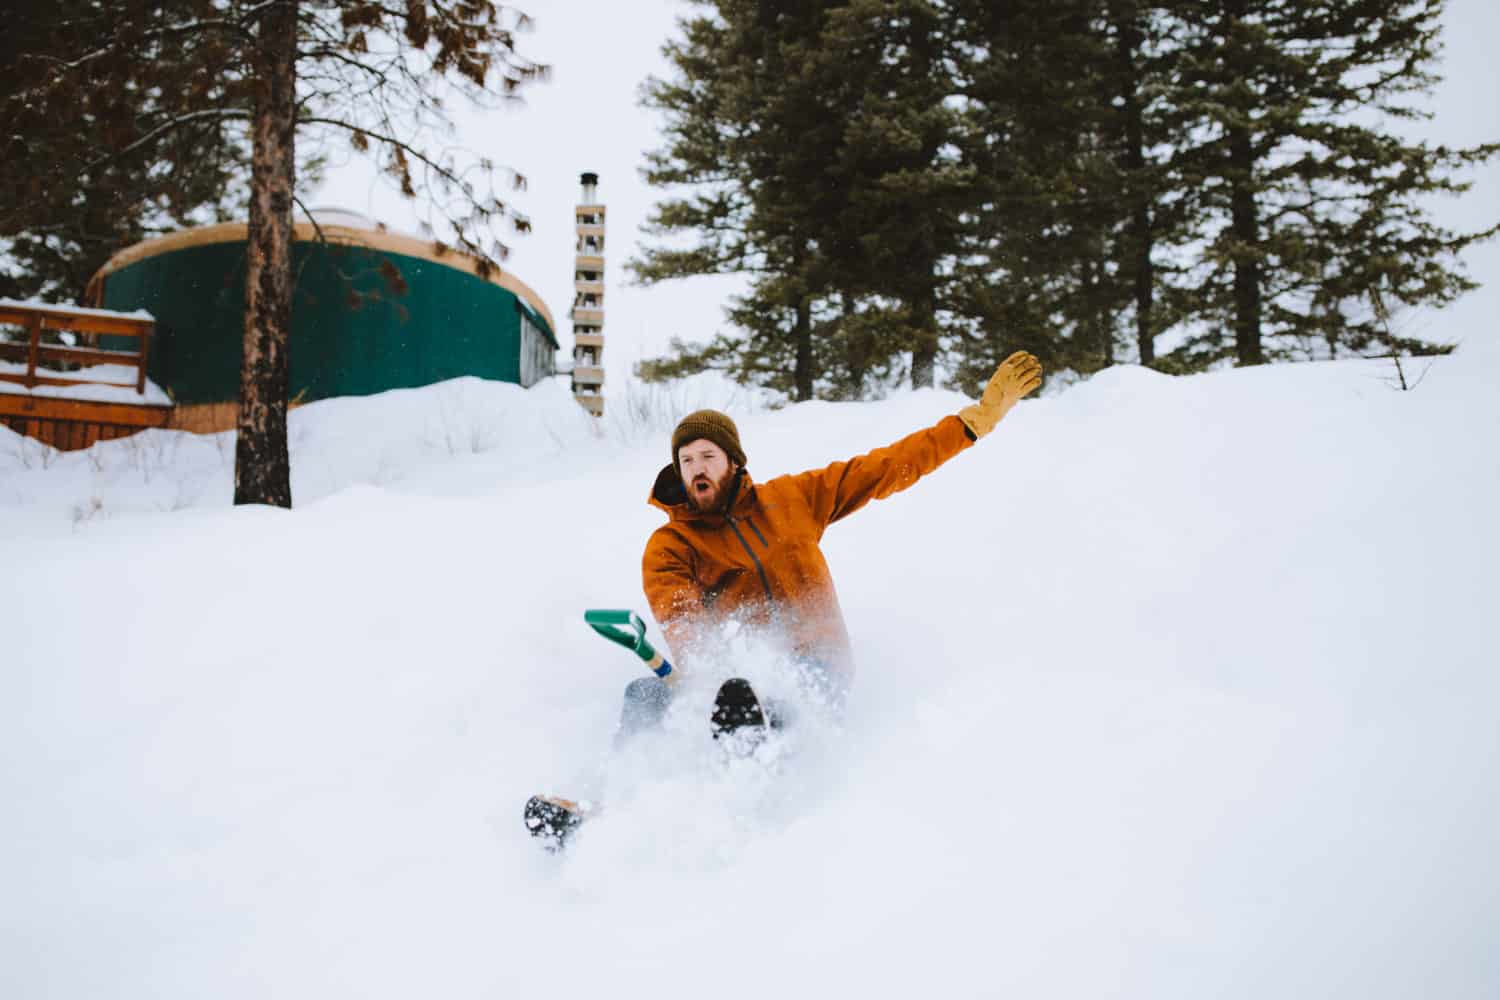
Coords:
pixel 337 226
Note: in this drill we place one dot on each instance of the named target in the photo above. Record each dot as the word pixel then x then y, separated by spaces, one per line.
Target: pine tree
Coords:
pixel 1317 206
pixel 1079 178
pixel 1160 212
pixel 284 71
pixel 83 85
pixel 1034 135
pixel 1069 106
pixel 748 128
pixel 823 146
pixel 911 192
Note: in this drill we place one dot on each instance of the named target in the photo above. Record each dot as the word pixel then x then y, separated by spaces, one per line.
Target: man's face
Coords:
pixel 705 471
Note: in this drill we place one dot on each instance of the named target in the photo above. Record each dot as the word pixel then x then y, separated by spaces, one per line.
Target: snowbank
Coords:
pixel 1170 688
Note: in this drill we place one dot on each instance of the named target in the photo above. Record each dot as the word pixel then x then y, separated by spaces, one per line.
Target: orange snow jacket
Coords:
pixel 759 561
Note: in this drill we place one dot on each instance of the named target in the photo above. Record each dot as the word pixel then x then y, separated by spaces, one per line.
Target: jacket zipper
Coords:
pixel 764 582
pixel 734 494
pixel 763 543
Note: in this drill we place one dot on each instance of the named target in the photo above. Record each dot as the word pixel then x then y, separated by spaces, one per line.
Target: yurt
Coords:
pixel 372 310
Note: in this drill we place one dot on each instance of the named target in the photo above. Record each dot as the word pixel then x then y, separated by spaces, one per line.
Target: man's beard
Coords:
pixel 714 497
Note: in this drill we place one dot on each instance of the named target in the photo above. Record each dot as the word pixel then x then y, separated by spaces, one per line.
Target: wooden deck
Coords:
pixel 60 362
pixel 44 346
pixel 74 424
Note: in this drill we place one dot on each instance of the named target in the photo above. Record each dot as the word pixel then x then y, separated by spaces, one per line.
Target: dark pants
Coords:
pixel 646 701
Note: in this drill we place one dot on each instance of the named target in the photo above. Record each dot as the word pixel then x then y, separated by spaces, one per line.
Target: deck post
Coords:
pixel 31 351
pixel 140 382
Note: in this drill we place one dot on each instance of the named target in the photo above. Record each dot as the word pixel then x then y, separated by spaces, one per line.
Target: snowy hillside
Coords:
pixel 1170 688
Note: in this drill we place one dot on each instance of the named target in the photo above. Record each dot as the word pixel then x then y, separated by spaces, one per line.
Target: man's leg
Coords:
pixel 646 701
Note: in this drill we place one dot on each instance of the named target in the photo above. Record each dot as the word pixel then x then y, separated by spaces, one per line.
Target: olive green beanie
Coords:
pixel 712 425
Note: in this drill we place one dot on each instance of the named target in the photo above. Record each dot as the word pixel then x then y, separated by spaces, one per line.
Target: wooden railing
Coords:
pixel 89 324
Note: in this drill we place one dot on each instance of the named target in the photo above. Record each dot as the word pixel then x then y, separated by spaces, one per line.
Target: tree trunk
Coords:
pixel 1245 229
pixel 802 371
pixel 924 338
pixel 1100 323
pixel 262 470
pixel 856 349
pixel 1140 237
pixel 924 352
pixel 1244 224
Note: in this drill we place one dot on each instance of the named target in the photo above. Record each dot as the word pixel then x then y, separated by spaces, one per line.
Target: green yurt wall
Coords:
pixel 366 316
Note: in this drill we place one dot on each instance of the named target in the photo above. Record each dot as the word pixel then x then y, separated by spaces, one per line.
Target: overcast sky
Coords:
pixel 586 117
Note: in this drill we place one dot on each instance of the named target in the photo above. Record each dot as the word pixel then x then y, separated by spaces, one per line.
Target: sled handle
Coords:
pixel 627 629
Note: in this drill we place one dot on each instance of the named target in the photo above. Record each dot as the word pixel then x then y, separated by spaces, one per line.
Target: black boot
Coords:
pixel 741 722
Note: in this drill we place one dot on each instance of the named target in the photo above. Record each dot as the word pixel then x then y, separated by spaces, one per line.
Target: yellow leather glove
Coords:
pixel 1017 375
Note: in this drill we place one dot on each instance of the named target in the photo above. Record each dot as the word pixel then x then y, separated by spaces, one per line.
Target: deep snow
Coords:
pixel 1169 688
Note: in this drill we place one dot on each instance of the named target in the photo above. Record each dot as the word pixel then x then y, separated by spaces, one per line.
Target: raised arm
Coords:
pixel 844 487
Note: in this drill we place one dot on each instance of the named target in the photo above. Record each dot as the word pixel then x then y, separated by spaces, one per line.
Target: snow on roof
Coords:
pixel 75 310
pixel 362 232
pixel 347 218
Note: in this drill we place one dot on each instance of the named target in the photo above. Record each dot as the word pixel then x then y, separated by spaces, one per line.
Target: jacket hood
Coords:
pixel 668 494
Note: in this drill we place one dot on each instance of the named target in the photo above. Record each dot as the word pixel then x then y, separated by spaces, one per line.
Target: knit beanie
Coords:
pixel 713 425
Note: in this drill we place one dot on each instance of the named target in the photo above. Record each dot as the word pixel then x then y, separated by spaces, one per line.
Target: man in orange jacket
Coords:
pixel 733 549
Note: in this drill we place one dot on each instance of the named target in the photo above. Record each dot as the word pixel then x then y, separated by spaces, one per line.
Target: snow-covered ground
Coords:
pixel 1170 688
